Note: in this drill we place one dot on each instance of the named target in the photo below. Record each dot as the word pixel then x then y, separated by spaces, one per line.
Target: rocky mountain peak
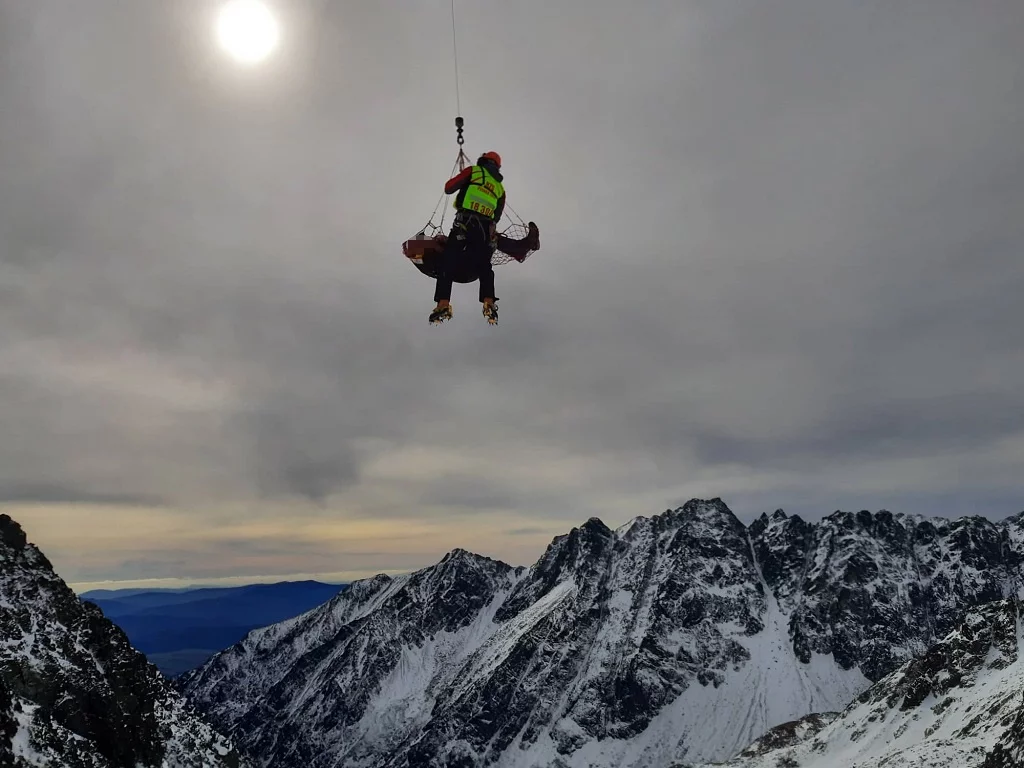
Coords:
pixel 577 550
pixel 711 512
pixel 882 525
pixel 596 527
pixel 579 556
pixel 460 558
pixel 681 636
pixel 783 546
pixel 764 521
pixel 72 687
pixel 1017 519
pixel 11 535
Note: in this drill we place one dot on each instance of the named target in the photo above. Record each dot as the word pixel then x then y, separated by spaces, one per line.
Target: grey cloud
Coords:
pixel 288 546
pixel 466 494
pixel 870 429
pixel 57 494
pixel 298 457
pixel 232 558
pixel 527 531
pixel 784 238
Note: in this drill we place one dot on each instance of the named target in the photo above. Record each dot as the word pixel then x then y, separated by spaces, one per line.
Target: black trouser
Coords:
pixel 466 257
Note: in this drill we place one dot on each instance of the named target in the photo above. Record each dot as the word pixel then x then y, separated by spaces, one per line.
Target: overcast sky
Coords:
pixel 782 263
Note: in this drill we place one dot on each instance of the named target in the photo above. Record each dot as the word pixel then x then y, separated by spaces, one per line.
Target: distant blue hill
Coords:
pixel 179 630
pixel 103 594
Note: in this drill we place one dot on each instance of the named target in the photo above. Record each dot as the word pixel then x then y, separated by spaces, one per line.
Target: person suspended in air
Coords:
pixel 479 204
pixel 469 253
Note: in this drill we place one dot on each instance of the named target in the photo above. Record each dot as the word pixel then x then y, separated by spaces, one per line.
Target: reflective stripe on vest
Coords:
pixel 483 193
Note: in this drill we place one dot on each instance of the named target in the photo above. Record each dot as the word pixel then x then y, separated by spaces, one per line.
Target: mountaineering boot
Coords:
pixel 440 314
pixel 490 311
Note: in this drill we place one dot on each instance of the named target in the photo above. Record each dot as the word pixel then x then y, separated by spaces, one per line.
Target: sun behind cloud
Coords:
pixel 247 30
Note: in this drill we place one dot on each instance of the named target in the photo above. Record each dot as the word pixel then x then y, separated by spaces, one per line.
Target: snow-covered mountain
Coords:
pixel 959 705
pixel 678 638
pixel 73 692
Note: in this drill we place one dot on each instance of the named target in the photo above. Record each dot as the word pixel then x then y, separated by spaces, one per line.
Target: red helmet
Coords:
pixel 493 157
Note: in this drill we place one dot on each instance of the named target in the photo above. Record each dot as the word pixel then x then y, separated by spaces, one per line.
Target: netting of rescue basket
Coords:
pixel 511 225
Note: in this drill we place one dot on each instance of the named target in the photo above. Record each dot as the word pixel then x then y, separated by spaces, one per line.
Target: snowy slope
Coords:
pixel 72 690
pixel 948 709
pixel 358 674
pixel 680 637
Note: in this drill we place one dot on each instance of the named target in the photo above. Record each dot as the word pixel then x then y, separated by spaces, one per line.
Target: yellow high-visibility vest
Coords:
pixel 483 193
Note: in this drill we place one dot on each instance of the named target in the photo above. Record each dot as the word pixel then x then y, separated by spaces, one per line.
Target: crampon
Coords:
pixel 440 314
